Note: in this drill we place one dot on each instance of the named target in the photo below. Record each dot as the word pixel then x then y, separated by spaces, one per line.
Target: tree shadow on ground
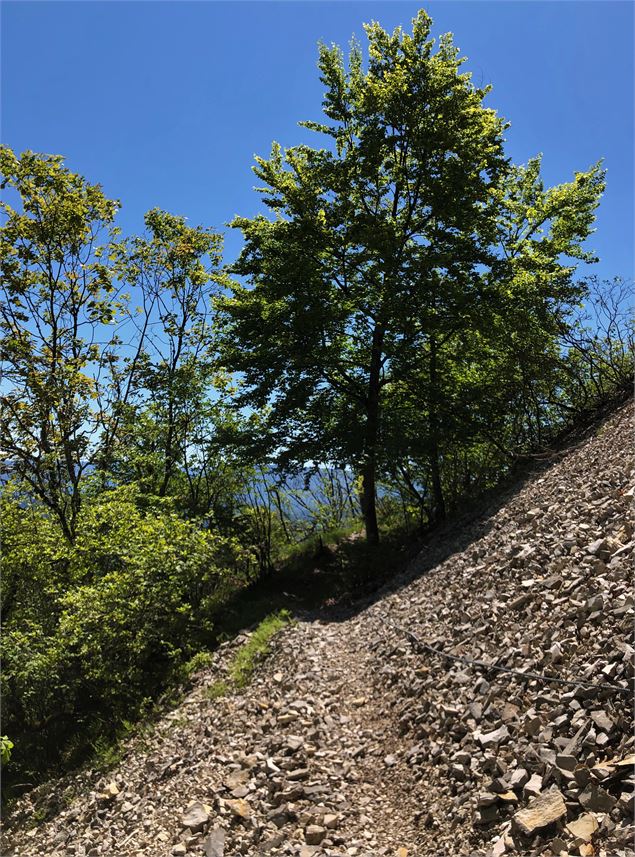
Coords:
pixel 338 581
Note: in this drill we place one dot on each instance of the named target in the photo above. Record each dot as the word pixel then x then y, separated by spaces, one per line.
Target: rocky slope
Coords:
pixel 362 736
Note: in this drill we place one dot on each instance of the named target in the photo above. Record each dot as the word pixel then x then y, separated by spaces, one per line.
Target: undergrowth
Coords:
pixel 250 654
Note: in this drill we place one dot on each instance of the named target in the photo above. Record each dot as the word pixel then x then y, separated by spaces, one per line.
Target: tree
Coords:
pixel 386 247
pixel 485 364
pixel 344 274
pixel 163 427
pixel 59 301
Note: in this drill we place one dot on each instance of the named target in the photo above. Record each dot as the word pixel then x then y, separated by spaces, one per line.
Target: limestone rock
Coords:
pixel 215 843
pixel 583 827
pixel 541 812
pixel 493 738
pixel 196 816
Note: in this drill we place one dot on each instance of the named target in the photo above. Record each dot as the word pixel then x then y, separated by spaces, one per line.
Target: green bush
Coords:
pixel 5 749
pixel 124 608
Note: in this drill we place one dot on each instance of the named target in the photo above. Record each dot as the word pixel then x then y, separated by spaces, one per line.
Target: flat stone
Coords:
pixel 599 548
pixel 234 779
pixel 298 774
pixel 566 762
pixel 492 739
pixel 239 807
pixel 541 812
pixel 196 816
pixel 215 843
pixel 597 799
pixel 521 601
pixel 518 778
pixel 595 604
pixel 278 815
pixel 602 721
pixel 534 786
pixel 532 726
pixel 499 847
pixel 583 827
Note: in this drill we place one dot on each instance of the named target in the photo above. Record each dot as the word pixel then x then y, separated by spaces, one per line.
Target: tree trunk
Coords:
pixel 368 501
pixel 435 463
pixel 368 498
pixel 437 488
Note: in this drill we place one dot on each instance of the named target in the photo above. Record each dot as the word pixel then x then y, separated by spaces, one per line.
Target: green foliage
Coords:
pixel 200 661
pixel 6 746
pixel 58 300
pixel 250 654
pixel 167 425
pixel 129 603
pixel 395 256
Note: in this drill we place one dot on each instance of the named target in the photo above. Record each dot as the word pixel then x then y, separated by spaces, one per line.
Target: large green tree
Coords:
pixel 403 231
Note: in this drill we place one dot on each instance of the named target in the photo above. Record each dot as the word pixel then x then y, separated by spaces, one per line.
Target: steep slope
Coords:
pixel 356 739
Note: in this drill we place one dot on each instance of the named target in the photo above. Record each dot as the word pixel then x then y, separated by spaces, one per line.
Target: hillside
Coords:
pixel 354 739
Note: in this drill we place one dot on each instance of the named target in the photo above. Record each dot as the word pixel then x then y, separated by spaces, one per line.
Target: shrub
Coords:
pixel 128 604
pixel 5 749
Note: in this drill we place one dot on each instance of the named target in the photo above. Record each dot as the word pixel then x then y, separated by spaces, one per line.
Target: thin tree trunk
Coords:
pixel 435 461
pixel 368 498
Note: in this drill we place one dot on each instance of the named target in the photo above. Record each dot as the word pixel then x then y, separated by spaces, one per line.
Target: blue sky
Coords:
pixel 165 103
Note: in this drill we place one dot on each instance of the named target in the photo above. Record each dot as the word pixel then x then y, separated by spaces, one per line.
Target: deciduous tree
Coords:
pixel 405 236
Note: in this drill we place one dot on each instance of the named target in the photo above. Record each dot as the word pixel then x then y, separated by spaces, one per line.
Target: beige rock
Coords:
pixel 239 807
pixel 508 797
pixel 196 816
pixel 234 779
pixel 492 739
pixel 541 812
pixel 534 786
pixel 583 827
pixel 109 793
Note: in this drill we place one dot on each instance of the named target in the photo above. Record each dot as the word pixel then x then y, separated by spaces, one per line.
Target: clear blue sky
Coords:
pixel 165 103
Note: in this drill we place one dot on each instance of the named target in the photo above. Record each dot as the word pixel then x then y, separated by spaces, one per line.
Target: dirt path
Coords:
pixel 306 761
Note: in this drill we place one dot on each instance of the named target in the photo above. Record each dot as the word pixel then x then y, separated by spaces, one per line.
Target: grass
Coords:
pixel 217 690
pixel 198 662
pixel 253 652
pixel 257 647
